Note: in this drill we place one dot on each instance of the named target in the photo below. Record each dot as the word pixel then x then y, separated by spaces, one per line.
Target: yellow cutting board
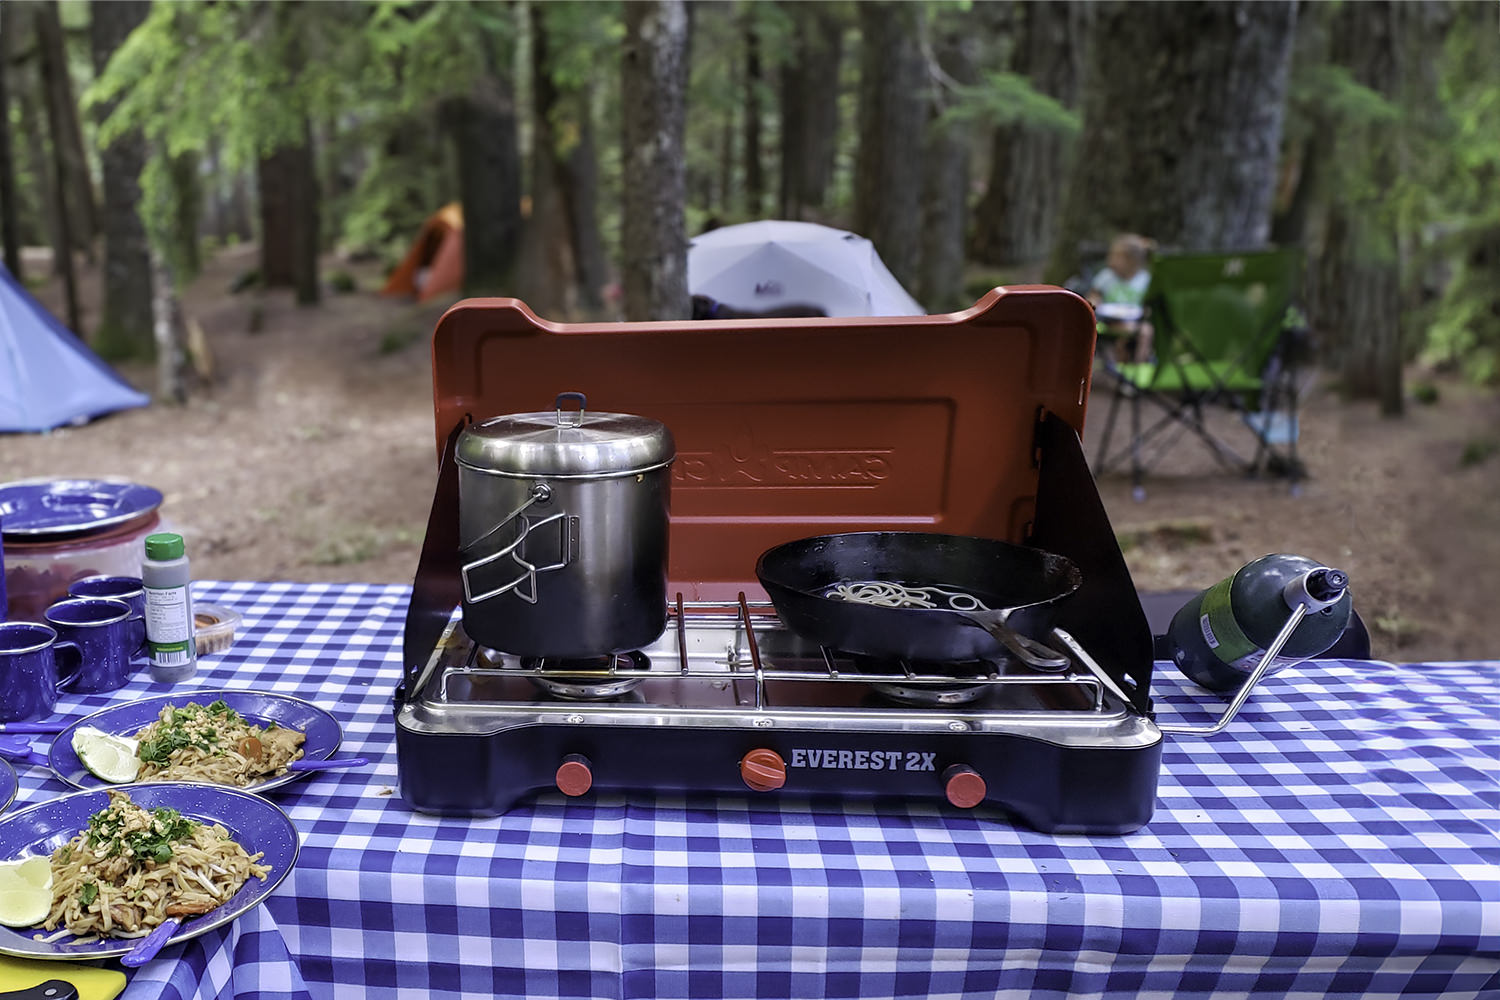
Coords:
pixel 92 983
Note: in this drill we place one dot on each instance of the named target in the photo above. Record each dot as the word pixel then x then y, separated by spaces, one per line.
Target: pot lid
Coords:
pixel 566 442
pixel 35 510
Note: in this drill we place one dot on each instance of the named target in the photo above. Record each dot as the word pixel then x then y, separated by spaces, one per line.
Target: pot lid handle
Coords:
pixel 582 406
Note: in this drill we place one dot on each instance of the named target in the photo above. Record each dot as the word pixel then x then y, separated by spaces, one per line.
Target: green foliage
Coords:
pixel 1330 93
pixel 1477 451
pixel 1425 393
pixel 1006 98
pixel 252 74
pixel 398 339
pixel 1466 325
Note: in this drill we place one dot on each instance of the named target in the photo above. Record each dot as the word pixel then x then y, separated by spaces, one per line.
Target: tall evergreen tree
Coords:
pixel 810 107
pixel 1016 219
pixel 125 321
pixel 653 94
pixel 1182 115
pixel 10 223
pixel 892 124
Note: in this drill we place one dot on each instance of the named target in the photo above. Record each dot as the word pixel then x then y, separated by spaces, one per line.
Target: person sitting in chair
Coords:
pixel 1118 293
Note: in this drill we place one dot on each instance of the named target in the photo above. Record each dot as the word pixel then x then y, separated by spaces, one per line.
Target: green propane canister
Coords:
pixel 1219 636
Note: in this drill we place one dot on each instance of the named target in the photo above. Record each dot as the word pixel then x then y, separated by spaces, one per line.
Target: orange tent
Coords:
pixel 435 262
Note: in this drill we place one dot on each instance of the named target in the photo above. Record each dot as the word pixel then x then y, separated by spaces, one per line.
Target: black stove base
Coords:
pixel 1051 788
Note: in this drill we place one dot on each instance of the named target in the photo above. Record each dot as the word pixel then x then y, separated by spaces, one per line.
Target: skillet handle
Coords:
pixel 1023 648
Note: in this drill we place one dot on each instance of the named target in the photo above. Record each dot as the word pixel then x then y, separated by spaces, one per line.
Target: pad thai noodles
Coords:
pixel 889 594
pixel 213 743
pixel 134 868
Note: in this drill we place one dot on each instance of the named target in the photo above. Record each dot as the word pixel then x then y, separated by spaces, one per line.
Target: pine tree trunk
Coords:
pixel 53 72
pixel 1360 278
pixel 567 252
pixel 167 329
pixel 62 111
pixel 945 198
pixel 30 100
pixel 545 272
pixel 483 128
pixel 653 93
pixel 579 180
pixel 10 234
pixel 892 124
pixel 1182 113
pixel 289 220
pixel 755 178
pixel 240 213
pixel 726 162
pixel 126 318
pixel 1016 219
pixel 187 197
pixel 810 107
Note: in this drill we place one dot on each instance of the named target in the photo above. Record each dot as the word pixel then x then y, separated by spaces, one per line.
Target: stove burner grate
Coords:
pixel 929 695
pixel 593 679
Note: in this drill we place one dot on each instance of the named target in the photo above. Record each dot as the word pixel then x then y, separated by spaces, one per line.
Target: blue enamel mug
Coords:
pixel 34 666
pixel 108 636
pixel 119 588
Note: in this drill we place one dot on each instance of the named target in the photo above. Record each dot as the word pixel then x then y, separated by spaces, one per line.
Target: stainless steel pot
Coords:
pixel 562 521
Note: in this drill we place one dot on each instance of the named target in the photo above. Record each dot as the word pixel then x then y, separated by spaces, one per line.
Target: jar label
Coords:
pixel 1222 633
pixel 169 621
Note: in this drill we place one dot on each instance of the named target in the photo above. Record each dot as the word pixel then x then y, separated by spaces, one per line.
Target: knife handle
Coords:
pixel 52 989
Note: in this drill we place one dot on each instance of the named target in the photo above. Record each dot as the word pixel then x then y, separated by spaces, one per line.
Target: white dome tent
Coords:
pixel 760 266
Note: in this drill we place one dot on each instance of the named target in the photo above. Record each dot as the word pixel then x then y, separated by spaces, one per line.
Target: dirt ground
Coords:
pixel 310 457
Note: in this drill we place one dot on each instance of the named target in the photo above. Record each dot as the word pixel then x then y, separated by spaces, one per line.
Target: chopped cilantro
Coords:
pixel 88 893
pixel 151 844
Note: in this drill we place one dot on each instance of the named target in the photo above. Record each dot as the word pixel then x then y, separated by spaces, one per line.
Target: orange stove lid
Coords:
pixel 793 427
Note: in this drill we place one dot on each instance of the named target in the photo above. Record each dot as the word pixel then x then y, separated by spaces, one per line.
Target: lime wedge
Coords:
pixel 106 755
pixel 36 872
pixel 25 891
pixel 25 906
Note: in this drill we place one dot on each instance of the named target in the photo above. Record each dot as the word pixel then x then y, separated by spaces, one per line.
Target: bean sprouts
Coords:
pixel 888 594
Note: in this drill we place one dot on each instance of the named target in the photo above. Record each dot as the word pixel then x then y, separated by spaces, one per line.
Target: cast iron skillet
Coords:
pixel 1019 585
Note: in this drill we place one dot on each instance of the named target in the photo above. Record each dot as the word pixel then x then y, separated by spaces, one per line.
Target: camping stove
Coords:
pixel 966 424
pixel 729 701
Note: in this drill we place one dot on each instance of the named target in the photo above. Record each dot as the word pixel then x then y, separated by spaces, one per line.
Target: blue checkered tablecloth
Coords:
pixel 1339 839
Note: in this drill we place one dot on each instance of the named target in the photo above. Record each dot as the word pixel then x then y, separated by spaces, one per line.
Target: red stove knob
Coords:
pixel 763 770
pixel 575 775
pixel 963 786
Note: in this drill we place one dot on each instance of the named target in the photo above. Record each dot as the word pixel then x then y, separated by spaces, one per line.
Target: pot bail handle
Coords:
pixel 578 397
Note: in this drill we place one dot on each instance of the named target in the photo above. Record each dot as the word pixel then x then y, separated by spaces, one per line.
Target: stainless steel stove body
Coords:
pixel 727 683
pixel 967 424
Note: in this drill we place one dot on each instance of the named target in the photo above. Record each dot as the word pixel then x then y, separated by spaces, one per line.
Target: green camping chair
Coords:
pixel 1226 333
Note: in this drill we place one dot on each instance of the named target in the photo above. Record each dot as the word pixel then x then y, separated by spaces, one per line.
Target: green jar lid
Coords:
pixel 164 545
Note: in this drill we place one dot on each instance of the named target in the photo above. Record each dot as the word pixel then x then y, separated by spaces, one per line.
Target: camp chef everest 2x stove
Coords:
pixel 965 424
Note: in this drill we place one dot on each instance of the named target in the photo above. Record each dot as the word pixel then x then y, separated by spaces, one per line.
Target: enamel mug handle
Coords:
pixel 69 653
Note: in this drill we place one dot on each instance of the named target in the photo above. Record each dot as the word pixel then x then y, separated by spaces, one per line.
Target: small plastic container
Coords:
pixel 215 626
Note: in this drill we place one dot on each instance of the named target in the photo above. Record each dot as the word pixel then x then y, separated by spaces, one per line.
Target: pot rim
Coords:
pixel 575 476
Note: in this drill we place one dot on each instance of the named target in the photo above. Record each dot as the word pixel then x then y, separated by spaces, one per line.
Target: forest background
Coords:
pixel 223 186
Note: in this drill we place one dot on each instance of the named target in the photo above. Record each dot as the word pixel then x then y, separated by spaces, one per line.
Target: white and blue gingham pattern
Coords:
pixel 1338 840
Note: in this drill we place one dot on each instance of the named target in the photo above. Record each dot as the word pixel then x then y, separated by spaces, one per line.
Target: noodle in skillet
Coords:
pixel 888 594
pixel 134 868
pixel 213 743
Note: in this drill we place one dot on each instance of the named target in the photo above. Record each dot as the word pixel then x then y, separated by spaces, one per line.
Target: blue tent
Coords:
pixel 48 377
